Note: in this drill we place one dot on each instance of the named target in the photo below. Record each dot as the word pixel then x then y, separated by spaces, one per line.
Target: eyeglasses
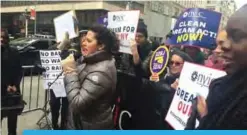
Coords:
pixel 176 63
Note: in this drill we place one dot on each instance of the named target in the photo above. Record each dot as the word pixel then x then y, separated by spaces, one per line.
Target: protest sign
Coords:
pixel 158 62
pixel 66 23
pixel 103 20
pixel 194 79
pixel 124 24
pixel 196 27
pixel 51 62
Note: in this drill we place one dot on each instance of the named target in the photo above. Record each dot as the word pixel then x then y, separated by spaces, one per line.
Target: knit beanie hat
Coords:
pixel 143 31
pixel 142 28
pixel 182 54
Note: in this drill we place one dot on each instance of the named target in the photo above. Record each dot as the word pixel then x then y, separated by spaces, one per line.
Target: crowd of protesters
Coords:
pixel 94 82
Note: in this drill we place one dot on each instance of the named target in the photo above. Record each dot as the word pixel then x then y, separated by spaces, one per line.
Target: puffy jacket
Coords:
pixel 90 92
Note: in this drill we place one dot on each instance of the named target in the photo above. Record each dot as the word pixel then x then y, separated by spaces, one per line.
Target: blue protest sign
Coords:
pixel 196 27
pixel 103 20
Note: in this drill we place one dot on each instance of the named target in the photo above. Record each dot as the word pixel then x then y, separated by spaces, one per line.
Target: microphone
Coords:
pixel 68 48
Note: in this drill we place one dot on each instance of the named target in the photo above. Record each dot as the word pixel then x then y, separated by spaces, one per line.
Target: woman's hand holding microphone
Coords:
pixel 69 64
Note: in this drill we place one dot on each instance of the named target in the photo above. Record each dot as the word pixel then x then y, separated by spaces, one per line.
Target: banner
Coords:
pixel 196 27
pixel 194 79
pixel 32 13
pixel 124 24
pixel 66 23
pixel 51 62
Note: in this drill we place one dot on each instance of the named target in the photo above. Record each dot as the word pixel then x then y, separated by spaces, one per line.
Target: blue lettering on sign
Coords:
pixel 184 95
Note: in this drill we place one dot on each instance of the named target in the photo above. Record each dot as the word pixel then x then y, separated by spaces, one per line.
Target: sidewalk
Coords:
pixel 25 121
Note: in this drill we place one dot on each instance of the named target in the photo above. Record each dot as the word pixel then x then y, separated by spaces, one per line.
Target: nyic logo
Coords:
pixel 118 18
pixel 193 14
pixel 201 79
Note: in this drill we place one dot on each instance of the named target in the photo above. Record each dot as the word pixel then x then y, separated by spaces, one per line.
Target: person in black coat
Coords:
pixel 140 48
pixel 11 73
pixel 225 106
pixel 159 95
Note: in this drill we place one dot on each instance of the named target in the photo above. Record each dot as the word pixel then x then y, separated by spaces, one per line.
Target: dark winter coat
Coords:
pixel 226 103
pixel 11 74
pixel 11 70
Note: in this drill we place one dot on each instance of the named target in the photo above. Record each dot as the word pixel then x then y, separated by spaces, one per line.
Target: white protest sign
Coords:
pixel 66 23
pixel 124 24
pixel 193 79
pixel 51 61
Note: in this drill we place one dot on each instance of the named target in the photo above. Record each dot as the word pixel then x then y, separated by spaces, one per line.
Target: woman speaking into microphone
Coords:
pixel 91 81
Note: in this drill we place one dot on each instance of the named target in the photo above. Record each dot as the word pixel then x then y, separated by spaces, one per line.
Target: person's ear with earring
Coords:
pixel 101 47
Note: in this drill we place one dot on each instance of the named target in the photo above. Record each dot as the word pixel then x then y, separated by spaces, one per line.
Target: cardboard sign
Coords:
pixel 194 79
pixel 158 62
pixel 124 24
pixel 196 27
pixel 66 23
pixel 51 61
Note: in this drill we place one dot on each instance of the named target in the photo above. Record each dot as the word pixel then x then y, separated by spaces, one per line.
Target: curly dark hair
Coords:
pixel 106 37
pixel 5 35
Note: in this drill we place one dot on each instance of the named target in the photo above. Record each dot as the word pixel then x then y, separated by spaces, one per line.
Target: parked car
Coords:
pixel 29 48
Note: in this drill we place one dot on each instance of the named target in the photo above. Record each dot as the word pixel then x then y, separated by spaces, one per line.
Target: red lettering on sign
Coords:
pixel 122 36
pixel 184 108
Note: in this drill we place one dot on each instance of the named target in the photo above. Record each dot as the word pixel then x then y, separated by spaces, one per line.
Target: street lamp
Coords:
pixel 128 5
pixel 27 17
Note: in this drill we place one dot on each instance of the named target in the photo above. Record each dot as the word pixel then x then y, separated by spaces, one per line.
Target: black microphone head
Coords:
pixel 76 50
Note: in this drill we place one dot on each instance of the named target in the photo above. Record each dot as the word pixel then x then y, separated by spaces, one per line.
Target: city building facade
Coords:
pixel 87 12
pixel 191 3
pixel 225 7
pixel 159 16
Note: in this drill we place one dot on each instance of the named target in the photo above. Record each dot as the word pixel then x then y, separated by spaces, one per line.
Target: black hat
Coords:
pixel 142 28
pixel 143 31
pixel 183 55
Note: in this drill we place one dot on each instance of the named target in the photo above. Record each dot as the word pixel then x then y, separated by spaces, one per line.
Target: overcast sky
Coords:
pixel 240 3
